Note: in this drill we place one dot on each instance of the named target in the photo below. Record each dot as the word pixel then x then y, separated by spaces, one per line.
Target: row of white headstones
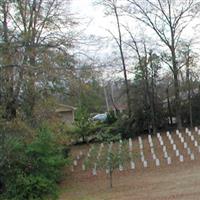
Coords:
pixel 174 146
pixel 141 147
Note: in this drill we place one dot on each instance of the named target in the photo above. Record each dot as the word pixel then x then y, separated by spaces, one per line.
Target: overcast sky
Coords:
pixel 94 22
pixel 90 15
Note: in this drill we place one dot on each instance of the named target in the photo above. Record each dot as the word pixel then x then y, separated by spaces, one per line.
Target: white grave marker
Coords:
pixel 83 167
pixel 185 145
pixel 132 165
pixel 168 133
pixel 188 151
pixel 177 152
pixel 192 156
pixel 181 158
pixel 152 151
pixel 169 161
pixel 130 143
pixel 182 140
pixel 157 162
pixel 75 163
pixel 165 155
pixel 151 144
pixel 164 148
pixel 94 172
pixel 120 168
pixel 142 158
pixel 145 164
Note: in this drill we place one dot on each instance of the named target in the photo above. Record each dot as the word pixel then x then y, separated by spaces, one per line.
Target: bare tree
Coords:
pixel 188 60
pixel 168 19
pixel 189 88
pixel 113 9
pixel 7 67
pixel 33 31
pixel 149 71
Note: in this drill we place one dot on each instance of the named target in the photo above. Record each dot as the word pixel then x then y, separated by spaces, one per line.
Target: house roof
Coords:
pixel 64 108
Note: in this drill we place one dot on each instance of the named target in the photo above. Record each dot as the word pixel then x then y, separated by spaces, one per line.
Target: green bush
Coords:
pixel 16 128
pixel 111 117
pixel 30 171
pixel 82 125
pixel 108 133
pixel 87 130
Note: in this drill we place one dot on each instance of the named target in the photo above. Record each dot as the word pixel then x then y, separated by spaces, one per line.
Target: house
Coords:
pixel 65 113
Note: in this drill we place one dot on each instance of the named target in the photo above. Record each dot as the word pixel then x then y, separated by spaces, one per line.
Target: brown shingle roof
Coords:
pixel 64 108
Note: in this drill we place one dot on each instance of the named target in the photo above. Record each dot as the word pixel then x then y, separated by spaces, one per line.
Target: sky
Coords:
pixel 94 22
pixel 90 15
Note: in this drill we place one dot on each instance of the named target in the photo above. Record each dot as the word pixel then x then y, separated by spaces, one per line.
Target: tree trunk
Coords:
pixel 8 98
pixel 169 107
pixel 153 111
pixel 177 101
pixel 176 86
pixel 123 62
pixel 152 103
pixel 110 178
pixel 106 98
pixel 31 90
pixel 189 92
pixel 190 109
pixel 11 111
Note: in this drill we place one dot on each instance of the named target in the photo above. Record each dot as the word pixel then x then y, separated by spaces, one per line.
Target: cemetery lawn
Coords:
pixel 179 180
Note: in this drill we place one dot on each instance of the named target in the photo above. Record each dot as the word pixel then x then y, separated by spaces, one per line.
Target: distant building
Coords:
pixel 65 113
